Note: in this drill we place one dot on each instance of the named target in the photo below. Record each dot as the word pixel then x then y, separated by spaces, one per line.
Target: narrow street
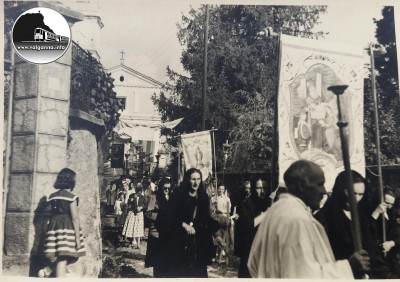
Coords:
pixel 122 261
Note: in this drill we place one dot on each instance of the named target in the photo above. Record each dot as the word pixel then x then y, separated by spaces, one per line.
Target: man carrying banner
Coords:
pixel 290 243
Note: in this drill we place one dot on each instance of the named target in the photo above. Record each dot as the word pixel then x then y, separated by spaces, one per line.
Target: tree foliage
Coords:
pixel 387 92
pixel 242 76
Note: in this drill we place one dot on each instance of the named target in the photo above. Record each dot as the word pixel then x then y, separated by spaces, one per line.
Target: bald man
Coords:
pixel 290 243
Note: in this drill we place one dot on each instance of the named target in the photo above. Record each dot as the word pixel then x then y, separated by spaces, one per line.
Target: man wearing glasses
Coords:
pixel 385 209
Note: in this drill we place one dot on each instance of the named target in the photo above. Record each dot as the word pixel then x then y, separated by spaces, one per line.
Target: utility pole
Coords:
pixel 203 97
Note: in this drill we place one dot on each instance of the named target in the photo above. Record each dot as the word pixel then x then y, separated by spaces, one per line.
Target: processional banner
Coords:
pixel 307 111
pixel 197 152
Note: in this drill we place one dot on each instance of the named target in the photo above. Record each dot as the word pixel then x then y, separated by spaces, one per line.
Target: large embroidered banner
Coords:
pixel 197 152
pixel 307 111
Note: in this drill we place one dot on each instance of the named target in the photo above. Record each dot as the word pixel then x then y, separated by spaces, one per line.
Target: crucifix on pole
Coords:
pixel 122 56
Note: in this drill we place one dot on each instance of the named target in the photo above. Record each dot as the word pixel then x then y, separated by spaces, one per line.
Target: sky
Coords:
pixel 146 30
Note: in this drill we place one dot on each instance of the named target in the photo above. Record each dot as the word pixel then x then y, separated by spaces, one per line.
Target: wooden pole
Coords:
pixel 339 90
pixel 215 159
pixel 204 92
pixel 179 160
pixel 275 148
pixel 377 141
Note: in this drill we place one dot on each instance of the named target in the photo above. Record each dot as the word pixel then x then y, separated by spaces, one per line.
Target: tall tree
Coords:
pixel 242 75
pixel 388 94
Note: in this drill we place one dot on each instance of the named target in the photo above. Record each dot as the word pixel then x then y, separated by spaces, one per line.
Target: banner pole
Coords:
pixel 204 92
pixel 215 160
pixel 179 159
pixel 377 141
pixel 275 136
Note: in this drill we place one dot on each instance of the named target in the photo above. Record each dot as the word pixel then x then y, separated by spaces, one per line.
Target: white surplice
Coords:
pixel 291 243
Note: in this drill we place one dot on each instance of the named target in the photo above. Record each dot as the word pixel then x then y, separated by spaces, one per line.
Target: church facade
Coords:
pixel 139 118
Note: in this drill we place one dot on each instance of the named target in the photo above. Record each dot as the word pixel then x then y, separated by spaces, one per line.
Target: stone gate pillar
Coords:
pixel 40 125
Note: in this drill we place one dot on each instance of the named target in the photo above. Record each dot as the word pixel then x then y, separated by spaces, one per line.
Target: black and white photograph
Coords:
pixel 201 139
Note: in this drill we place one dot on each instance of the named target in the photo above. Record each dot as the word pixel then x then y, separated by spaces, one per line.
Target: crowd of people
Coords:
pixel 187 227
pixel 297 231
pixel 300 239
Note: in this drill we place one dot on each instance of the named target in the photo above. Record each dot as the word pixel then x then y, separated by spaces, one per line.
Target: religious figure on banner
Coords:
pixel 302 133
pixel 313 113
pixel 321 116
pixel 307 110
pixel 197 152
pixel 198 156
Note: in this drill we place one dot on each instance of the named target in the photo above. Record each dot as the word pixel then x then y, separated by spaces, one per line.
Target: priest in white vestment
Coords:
pixel 290 243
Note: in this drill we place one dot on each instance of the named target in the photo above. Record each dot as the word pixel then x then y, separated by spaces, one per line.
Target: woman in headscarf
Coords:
pixel 336 218
pixel 189 226
pixel 156 209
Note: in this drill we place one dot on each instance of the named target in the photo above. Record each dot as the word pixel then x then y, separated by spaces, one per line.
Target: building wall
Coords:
pixel 138 92
pixel 87 32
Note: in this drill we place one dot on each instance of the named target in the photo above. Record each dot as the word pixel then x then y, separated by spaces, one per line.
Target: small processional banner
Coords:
pixel 307 111
pixel 197 152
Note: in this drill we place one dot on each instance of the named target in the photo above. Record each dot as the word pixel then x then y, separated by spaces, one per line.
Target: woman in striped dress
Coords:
pixel 64 239
pixel 134 223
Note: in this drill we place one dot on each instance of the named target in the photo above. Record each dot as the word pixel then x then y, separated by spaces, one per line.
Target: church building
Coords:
pixel 139 118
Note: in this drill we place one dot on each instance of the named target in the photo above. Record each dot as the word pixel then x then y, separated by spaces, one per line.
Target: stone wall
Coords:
pixel 82 157
pixel 38 153
pixel 47 136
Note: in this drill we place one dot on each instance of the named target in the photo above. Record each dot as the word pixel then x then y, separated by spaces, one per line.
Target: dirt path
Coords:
pixel 125 262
